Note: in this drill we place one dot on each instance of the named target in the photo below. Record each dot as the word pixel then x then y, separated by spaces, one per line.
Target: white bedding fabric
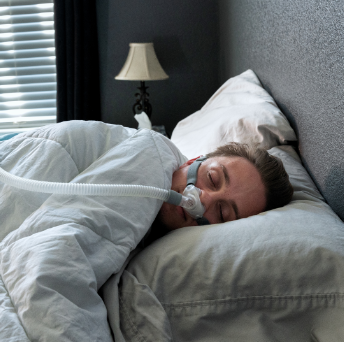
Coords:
pixel 56 250
pixel 241 110
pixel 276 276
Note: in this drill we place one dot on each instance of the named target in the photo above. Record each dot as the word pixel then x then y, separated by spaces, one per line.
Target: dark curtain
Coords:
pixel 77 62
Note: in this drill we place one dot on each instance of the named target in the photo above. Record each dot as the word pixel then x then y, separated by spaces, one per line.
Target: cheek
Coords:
pixel 167 217
pixel 179 180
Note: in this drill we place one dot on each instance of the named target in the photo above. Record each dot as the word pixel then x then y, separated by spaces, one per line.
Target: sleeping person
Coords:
pixel 236 181
pixel 57 250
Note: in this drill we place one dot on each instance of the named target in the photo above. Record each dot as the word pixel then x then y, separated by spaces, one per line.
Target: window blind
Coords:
pixel 27 65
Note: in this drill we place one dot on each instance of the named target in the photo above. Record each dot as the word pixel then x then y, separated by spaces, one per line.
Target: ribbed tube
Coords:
pixel 83 189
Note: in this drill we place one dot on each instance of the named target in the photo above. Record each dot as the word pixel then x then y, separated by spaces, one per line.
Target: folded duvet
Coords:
pixel 56 251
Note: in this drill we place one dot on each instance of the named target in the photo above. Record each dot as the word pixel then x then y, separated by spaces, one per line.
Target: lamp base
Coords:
pixel 142 104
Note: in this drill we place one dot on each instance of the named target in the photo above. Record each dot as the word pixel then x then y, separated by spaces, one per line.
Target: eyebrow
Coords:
pixel 227 181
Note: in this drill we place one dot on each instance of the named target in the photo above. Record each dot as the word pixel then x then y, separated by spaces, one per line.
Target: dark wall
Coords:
pixel 185 37
pixel 296 49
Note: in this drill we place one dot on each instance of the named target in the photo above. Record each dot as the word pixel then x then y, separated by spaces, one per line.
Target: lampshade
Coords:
pixel 141 64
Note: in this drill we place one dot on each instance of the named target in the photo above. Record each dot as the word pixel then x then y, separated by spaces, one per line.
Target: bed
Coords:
pixel 276 276
pixel 73 268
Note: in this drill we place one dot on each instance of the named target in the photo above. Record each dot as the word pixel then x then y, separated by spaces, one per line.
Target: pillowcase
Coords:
pixel 276 276
pixel 241 111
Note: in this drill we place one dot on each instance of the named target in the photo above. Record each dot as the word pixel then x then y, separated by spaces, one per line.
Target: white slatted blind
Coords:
pixel 27 65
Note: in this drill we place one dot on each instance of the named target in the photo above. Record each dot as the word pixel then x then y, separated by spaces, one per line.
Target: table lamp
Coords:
pixel 142 65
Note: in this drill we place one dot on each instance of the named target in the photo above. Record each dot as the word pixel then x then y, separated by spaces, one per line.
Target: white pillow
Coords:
pixel 276 276
pixel 241 111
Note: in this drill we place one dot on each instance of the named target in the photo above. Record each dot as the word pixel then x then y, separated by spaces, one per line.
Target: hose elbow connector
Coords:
pixel 190 201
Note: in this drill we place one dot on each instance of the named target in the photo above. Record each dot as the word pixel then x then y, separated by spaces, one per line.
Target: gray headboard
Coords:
pixel 296 50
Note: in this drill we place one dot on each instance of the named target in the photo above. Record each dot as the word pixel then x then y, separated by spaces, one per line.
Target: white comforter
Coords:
pixel 57 250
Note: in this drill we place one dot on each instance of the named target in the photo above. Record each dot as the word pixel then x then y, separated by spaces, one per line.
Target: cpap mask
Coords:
pixel 190 200
pixel 191 191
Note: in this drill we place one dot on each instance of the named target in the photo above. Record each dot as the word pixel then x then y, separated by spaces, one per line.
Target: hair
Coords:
pixel 274 177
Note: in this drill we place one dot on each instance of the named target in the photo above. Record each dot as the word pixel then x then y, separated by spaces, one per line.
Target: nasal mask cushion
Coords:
pixel 192 191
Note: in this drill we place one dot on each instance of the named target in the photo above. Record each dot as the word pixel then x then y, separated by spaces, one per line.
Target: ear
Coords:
pixel 190 161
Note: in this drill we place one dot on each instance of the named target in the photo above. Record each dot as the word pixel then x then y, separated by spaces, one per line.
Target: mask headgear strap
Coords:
pixel 192 176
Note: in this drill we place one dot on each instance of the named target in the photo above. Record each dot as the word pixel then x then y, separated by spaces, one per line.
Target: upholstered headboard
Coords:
pixel 296 50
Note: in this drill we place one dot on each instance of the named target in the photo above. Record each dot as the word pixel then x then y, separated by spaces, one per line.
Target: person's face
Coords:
pixel 231 188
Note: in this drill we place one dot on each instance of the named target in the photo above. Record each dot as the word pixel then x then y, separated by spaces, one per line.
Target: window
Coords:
pixel 27 65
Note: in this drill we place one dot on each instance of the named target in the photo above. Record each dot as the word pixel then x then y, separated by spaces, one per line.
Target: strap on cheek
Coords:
pixel 192 174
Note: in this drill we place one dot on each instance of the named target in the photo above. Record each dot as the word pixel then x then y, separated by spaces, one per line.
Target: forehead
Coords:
pixel 233 164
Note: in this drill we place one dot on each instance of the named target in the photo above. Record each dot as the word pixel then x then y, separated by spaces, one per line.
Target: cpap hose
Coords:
pixel 190 203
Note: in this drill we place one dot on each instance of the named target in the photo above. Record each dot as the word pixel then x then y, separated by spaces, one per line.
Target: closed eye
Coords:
pixel 211 179
pixel 221 213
